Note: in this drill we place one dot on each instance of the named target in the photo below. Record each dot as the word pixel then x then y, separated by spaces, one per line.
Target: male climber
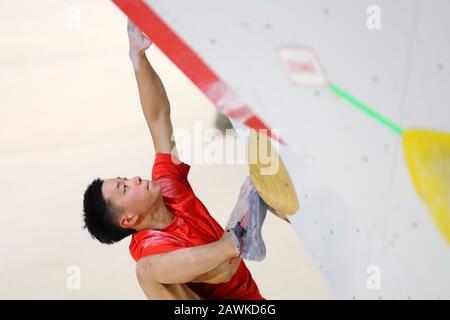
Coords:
pixel 181 251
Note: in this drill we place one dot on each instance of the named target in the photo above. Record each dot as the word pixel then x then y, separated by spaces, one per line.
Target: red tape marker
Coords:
pixel 190 63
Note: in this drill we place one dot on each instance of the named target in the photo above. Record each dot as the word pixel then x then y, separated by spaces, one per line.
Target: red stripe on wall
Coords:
pixel 190 63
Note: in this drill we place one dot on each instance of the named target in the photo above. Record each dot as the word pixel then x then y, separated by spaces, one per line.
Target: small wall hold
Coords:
pixel 222 123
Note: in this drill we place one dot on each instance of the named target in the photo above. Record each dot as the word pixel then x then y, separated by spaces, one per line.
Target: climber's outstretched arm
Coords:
pixel 154 101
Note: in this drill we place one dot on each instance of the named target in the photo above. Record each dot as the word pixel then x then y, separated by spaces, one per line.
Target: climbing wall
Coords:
pixel 272 64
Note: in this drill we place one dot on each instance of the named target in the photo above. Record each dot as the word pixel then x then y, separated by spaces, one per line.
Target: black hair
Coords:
pixel 100 214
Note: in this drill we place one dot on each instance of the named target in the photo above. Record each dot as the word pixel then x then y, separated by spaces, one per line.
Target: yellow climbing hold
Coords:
pixel 427 154
pixel 270 176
